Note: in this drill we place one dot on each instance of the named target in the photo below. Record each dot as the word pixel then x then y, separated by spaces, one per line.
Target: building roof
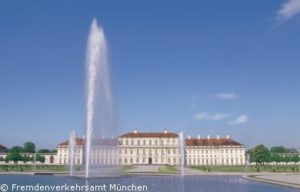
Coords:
pixel 79 141
pixel 2 149
pixel 211 142
pixel 100 142
pixel 136 134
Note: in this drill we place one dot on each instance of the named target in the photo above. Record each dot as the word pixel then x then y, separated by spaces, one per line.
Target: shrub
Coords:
pixel 257 169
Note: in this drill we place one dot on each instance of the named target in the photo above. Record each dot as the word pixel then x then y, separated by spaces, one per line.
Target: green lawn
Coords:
pixel 168 169
pixel 21 168
pixel 127 167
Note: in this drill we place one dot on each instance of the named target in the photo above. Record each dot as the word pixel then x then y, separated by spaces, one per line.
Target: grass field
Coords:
pixel 127 167
pixel 21 168
pixel 167 169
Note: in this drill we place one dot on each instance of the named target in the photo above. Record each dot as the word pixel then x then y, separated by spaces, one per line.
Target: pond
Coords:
pixel 36 183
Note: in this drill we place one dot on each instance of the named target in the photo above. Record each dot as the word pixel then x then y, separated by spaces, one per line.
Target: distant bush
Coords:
pixel 257 169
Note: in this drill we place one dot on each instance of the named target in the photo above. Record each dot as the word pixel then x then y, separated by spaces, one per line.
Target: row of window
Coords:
pixel 214 162
pixel 215 156
pixel 144 151
pixel 149 160
pixel 148 142
pixel 216 151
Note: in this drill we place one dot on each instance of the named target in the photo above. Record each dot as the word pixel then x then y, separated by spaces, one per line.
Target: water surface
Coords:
pixel 152 183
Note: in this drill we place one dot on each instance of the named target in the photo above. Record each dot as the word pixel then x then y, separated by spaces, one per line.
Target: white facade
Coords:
pixel 214 152
pixel 149 148
pixel 138 148
pixel 63 154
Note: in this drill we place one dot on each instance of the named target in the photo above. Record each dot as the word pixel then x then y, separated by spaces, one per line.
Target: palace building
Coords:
pixel 149 148
pixel 63 152
pixel 214 151
pixel 160 148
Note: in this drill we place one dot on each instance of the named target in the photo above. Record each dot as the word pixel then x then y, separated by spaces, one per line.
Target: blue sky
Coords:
pixel 204 67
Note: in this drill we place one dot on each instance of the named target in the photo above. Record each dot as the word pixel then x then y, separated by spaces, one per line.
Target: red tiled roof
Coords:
pixel 159 135
pixel 2 149
pixel 211 142
pixel 103 142
pixel 79 141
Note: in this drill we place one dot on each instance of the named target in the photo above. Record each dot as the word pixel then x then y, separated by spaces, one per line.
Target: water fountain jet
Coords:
pixel 72 148
pixel 100 148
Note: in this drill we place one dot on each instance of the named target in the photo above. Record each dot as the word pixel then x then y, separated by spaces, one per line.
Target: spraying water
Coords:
pixel 101 133
pixel 181 147
pixel 72 146
pixel 34 162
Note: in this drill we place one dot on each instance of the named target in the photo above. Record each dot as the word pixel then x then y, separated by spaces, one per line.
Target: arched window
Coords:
pixel 51 159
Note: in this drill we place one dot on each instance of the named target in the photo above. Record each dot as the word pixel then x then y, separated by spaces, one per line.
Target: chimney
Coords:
pixel 189 137
pixel 208 136
pixel 227 137
pixel 218 136
pixel 199 137
pixel 135 131
pixel 165 131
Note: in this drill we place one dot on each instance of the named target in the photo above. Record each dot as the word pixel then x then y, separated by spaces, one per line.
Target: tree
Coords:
pixel 18 149
pixel 260 154
pixel 14 156
pixel 26 158
pixel 44 151
pixel 54 151
pixel 278 149
pixel 291 150
pixel 40 158
pixel 295 158
pixel 276 158
pixel 29 147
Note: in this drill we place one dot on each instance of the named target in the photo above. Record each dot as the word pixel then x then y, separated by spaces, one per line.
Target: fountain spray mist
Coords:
pixel 100 119
pixel 72 148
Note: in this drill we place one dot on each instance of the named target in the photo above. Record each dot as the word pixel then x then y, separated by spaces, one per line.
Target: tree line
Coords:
pixel 21 153
pixel 262 154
